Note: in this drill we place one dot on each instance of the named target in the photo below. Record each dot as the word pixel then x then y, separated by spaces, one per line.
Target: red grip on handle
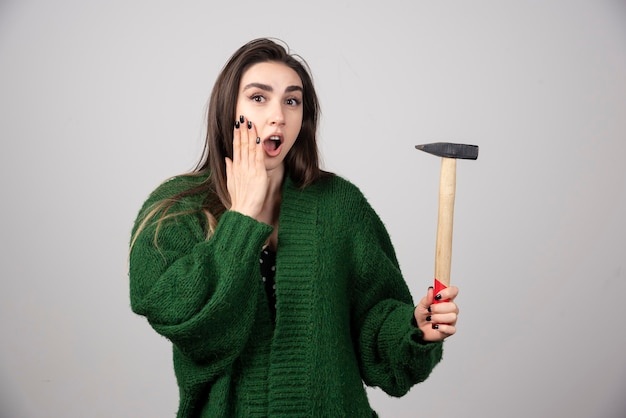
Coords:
pixel 438 288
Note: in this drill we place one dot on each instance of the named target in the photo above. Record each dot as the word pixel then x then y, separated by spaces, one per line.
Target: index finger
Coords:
pixel 236 141
pixel 447 295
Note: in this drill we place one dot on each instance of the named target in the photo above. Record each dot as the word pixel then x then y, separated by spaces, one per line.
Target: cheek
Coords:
pixel 244 109
pixel 296 122
pixel 239 110
pixel 294 130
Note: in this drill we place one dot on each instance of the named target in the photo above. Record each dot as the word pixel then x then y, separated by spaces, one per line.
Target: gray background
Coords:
pixel 100 101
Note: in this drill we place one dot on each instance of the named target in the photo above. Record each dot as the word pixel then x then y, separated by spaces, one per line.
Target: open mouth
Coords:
pixel 272 145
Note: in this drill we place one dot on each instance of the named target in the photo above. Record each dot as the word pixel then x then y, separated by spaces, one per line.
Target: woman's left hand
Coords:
pixel 437 321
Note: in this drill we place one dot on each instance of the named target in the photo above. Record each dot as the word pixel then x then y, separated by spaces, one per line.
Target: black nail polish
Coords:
pixel 438 297
pixel 236 124
pixel 258 140
pixel 241 119
pixel 429 310
pixel 428 318
pixel 435 326
pixel 249 125
pixel 430 287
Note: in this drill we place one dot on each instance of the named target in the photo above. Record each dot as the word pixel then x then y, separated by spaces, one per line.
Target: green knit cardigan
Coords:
pixel 344 312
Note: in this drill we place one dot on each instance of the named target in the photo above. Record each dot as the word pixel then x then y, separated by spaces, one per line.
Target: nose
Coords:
pixel 277 116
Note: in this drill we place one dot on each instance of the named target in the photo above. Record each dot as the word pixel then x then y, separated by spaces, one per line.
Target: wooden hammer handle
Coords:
pixel 443 255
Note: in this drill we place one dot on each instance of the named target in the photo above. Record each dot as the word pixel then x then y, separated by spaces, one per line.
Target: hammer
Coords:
pixel 447 189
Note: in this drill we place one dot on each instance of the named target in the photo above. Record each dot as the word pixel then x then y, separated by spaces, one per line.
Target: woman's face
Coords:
pixel 270 95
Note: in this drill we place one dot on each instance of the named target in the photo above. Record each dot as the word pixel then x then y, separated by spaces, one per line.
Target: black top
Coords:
pixel 268 272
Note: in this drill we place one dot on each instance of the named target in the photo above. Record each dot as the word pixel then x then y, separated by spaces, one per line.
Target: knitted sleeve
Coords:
pixel 392 354
pixel 198 293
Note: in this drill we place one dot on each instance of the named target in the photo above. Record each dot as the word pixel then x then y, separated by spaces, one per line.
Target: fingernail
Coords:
pixel 258 140
pixel 429 310
pixel 428 318
pixel 249 125
pixel 241 118
pixel 236 124
pixel 438 297
pixel 430 287
pixel 435 326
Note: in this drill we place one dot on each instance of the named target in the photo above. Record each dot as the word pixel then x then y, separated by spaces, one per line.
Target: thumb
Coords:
pixel 229 166
pixel 424 303
pixel 428 299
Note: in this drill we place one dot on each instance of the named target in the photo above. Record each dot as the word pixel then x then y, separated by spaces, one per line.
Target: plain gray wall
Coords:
pixel 102 100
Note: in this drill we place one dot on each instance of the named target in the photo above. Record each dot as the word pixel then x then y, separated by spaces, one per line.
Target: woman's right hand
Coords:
pixel 246 177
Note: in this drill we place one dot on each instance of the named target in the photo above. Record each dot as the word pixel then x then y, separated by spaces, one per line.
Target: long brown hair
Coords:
pixel 302 161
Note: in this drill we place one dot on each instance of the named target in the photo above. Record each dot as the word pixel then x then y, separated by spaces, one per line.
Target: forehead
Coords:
pixel 275 74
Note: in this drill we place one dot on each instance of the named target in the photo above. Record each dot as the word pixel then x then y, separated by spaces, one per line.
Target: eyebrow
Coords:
pixel 266 87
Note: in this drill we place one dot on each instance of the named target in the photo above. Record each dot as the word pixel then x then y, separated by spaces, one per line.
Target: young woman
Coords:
pixel 275 281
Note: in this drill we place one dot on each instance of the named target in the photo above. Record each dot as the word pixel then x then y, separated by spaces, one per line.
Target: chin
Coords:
pixel 273 165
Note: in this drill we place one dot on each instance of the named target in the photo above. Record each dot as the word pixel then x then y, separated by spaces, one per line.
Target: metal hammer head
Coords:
pixel 449 150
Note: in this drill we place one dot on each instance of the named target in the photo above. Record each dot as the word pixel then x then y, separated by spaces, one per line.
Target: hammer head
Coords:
pixel 450 150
